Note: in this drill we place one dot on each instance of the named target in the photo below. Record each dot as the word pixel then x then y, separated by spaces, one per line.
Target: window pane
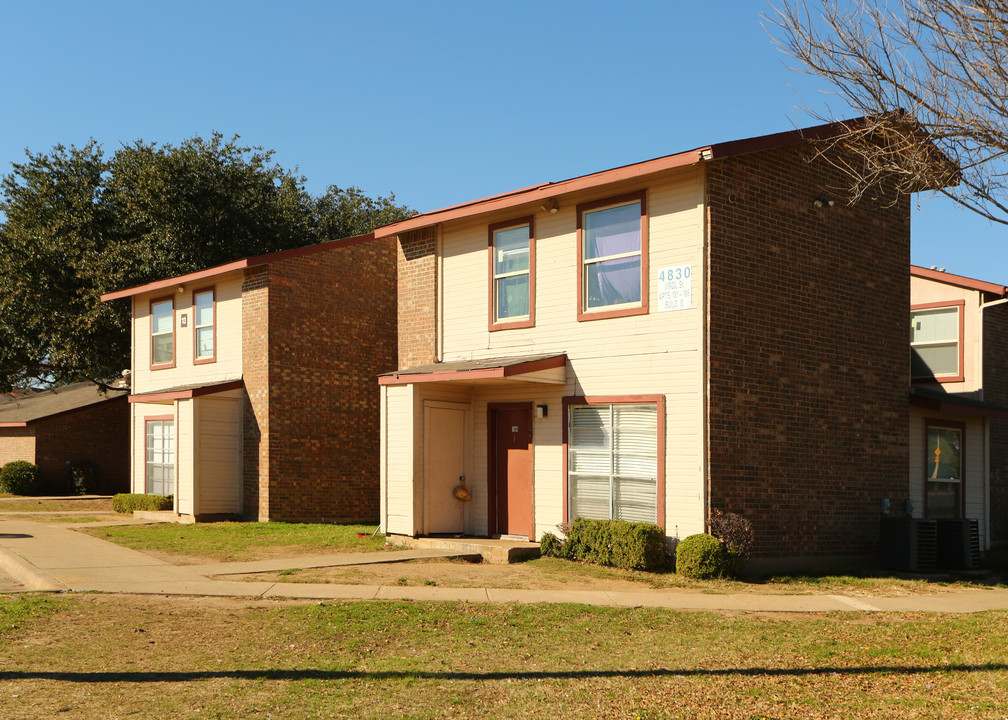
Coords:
pixel 589 497
pixel 943 458
pixel 943 499
pixel 636 499
pixel 612 231
pixel 585 461
pixel 163 345
pixel 511 250
pixel 204 308
pixel 934 325
pixel 161 317
pixel 612 282
pixel 935 360
pixel 512 297
pixel 204 342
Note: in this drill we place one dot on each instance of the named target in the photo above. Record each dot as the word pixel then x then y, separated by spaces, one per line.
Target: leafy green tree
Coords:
pixel 77 224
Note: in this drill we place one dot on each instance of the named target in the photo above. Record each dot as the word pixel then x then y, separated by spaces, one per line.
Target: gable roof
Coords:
pixel 248 262
pixel 47 403
pixel 545 191
pixel 957 280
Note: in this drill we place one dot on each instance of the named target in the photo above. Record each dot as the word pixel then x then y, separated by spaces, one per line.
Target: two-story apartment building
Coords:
pixel 710 329
pixel 253 383
pixel 958 416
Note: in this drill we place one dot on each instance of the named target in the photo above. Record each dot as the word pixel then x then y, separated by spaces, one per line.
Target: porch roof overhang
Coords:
pixel 938 401
pixel 184 392
pixel 548 369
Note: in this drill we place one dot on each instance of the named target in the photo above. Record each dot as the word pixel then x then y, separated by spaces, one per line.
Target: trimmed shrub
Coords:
pixel 702 557
pixel 616 543
pixel 20 477
pixel 736 533
pixel 550 546
pixel 128 502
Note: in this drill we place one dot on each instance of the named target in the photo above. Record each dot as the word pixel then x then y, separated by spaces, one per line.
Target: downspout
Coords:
pixel 980 384
pixel 705 261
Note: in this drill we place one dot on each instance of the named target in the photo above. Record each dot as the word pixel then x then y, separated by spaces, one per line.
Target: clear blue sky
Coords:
pixel 438 102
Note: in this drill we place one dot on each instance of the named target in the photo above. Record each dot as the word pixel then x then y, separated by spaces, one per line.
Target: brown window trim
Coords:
pixel 961 376
pixel 492 325
pixel 212 289
pixel 150 315
pixel 642 309
pixel 156 418
pixel 949 425
pixel 658 400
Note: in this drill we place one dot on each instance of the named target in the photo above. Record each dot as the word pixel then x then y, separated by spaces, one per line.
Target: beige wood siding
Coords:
pixel 658 353
pixel 185 453
pixel 398 459
pixel 228 338
pixel 924 291
pixel 218 454
pixel 975 470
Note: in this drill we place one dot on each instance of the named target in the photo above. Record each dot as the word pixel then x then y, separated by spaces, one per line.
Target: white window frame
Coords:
pixel 956 342
pixel 656 477
pixel 156 457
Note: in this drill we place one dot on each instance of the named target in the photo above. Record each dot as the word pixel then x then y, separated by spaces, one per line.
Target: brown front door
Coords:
pixel 511 470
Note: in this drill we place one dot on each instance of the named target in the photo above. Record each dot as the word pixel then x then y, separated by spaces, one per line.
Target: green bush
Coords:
pixel 550 546
pixel 128 502
pixel 20 477
pixel 616 543
pixel 702 557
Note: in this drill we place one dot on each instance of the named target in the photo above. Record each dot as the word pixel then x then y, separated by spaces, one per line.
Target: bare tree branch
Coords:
pixel 931 75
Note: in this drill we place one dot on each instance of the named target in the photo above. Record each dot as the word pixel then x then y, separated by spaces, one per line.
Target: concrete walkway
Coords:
pixel 38 556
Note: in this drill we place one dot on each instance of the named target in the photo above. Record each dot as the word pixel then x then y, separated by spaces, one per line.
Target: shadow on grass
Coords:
pixel 314 674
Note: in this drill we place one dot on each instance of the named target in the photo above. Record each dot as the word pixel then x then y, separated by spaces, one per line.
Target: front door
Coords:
pixel 445 439
pixel 511 470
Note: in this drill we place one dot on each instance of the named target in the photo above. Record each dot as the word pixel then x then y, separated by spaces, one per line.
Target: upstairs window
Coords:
pixel 612 255
pixel 204 322
pixel 936 342
pixel 162 321
pixel 512 274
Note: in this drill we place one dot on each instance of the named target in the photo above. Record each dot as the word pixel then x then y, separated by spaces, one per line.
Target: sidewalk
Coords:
pixel 46 557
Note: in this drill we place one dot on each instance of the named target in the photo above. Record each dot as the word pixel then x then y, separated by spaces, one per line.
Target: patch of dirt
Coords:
pixel 450 573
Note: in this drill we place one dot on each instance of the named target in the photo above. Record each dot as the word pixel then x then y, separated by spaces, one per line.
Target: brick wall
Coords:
pixel 99 433
pixel 255 374
pixel 17 443
pixel 995 380
pixel 807 355
pixel 417 294
pixel 331 331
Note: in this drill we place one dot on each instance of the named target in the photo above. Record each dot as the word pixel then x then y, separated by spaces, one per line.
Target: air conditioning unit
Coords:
pixel 958 544
pixel 909 544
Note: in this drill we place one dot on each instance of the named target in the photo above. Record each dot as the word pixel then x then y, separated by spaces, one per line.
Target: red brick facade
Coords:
pixel 317 330
pixel 98 433
pixel 417 293
pixel 808 365
pixel 995 390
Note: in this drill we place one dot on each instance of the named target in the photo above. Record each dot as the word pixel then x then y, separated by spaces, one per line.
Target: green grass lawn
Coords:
pixel 119 656
pixel 237 541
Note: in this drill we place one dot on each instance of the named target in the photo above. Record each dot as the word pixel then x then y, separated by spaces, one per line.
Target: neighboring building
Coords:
pixel 253 383
pixel 959 401
pixel 72 426
pixel 703 330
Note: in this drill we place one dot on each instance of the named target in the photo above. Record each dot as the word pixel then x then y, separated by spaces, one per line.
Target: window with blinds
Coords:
pixel 613 462
pixel 160 457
